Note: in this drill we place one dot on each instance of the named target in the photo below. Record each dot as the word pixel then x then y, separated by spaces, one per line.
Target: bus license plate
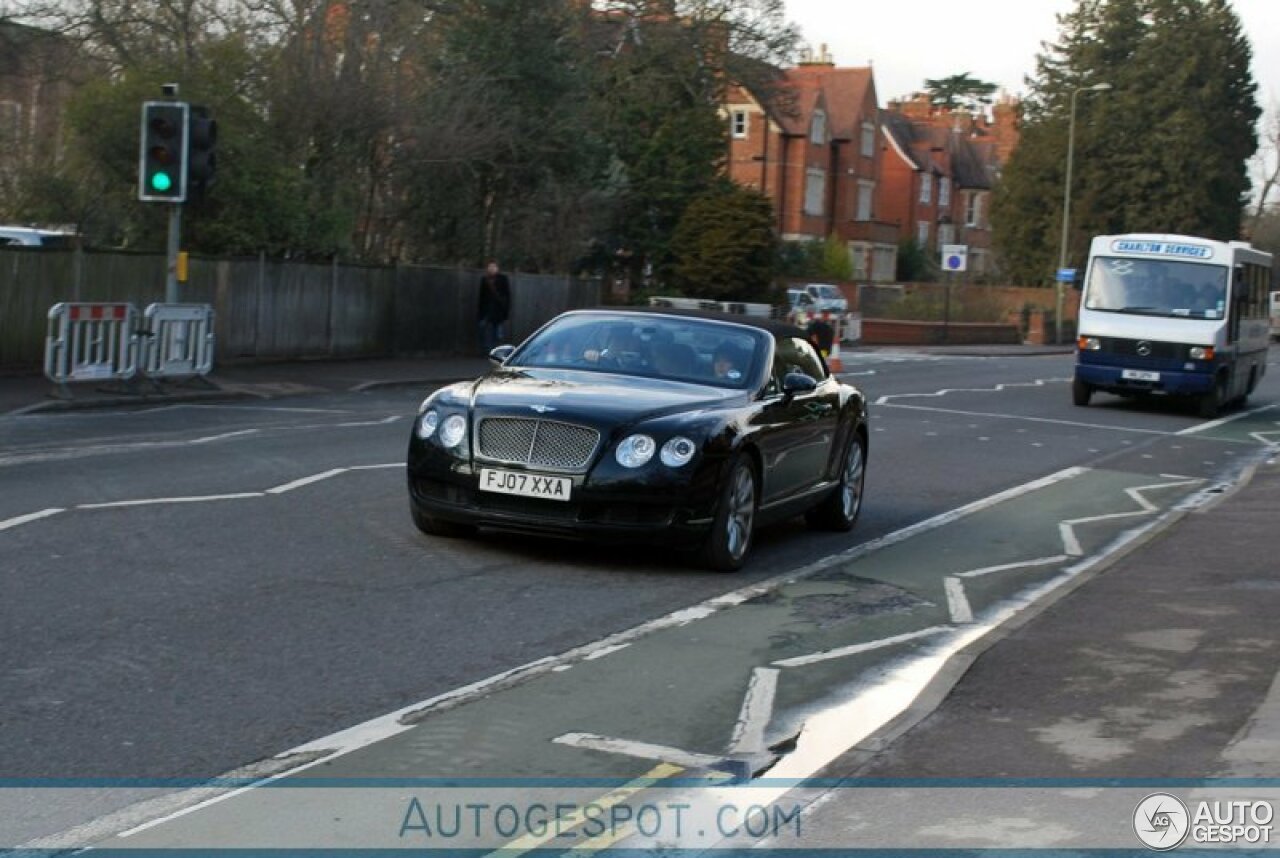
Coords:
pixel 525 485
pixel 1139 375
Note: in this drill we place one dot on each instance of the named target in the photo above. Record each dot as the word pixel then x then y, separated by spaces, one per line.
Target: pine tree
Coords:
pixel 1165 150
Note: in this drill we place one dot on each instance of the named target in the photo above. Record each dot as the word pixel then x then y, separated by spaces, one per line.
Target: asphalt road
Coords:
pixel 189 589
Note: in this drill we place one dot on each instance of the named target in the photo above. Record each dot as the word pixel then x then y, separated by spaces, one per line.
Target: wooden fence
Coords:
pixel 276 310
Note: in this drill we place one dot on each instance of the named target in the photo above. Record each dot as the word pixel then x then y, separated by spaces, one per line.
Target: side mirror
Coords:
pixel 798 382
pixel 499 355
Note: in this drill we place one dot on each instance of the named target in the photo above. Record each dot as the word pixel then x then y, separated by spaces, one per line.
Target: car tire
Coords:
pixel 729 542
pixel 1081 392
pixel 839 510
pixel 433 526
pixel 1209 404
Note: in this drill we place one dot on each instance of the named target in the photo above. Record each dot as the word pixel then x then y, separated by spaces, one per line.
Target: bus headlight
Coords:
pixel 1089 344
pixel 1201 352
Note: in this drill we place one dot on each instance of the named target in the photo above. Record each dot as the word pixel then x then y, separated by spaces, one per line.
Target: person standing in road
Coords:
pixel 494 306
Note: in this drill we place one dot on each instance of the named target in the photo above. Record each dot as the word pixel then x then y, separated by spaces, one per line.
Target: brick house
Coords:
pixel 938 171
pixel 811 145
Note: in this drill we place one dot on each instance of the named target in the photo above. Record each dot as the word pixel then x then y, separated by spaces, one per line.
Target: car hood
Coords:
pixel 595 398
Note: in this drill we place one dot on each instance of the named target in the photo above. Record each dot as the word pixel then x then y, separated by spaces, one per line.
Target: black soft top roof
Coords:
pixel 775 327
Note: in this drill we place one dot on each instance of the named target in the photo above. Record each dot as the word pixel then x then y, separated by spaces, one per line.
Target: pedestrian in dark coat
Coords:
pixel 494 306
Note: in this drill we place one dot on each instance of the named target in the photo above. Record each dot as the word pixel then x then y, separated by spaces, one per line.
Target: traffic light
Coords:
pixel 202 159
pixel 162 158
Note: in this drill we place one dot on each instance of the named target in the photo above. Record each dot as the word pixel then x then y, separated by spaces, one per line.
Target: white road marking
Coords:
pixel 1222 421
pixel 29 517
pixel 858 649
pixel 757 709
pixel 1067 528
pixel 305 481
pixel 1029 419
pixel 383 422
pixel 947 391
pixel 639 750
pixel 155 501
pixel 957 601
pixel 605 651
pixel 238 434
pixel 1008 567
pixel 277 490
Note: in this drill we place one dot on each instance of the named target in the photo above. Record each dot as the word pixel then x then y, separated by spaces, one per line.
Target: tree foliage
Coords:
pixel 1165 150
pixel 724 247
pixel 959 91
pixel 442 130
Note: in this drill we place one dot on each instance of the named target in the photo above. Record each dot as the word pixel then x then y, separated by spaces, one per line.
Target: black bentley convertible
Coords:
pixel 668 427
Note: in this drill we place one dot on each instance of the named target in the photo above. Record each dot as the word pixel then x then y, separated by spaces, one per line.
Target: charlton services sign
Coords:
pixel 1162 248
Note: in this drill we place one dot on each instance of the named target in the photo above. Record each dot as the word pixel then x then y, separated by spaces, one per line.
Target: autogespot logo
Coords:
pixel 1161 822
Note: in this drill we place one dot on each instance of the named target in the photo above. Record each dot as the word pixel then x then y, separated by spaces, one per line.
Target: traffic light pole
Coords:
pixel 175 244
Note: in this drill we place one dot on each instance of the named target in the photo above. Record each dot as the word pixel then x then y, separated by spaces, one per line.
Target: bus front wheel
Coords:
pixel 1080 392
pixel 1211 403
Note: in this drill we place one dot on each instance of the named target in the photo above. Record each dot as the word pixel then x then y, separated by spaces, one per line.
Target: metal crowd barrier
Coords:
pixel 104 342
pixel 178 340
pixel 91 342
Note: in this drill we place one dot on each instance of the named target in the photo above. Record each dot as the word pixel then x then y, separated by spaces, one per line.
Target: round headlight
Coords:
pixel 677 452
pixel 453 430
pixel 635 451
pixel 427 424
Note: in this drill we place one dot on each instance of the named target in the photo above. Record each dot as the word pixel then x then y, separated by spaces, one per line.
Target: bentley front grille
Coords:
pixel 537 443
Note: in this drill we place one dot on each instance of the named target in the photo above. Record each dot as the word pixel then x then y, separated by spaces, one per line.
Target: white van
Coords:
pixel 1173 314
pixel 825 297
pixel 25 236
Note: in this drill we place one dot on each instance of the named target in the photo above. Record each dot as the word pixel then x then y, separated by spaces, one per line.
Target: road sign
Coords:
pixel 955 257
pixel 1066 275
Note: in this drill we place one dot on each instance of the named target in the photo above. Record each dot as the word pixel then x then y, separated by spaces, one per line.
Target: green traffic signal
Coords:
pixel 161 182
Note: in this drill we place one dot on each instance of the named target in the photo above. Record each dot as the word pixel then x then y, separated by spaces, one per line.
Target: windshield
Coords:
pixel 666 347
pixel 828 293
pixel 1151 287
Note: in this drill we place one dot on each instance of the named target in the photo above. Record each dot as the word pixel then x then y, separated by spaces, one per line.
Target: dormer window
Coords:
pixel 868 140
pixel 818 130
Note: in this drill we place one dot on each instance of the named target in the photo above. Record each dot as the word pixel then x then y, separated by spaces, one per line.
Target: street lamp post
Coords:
pixel 1066 200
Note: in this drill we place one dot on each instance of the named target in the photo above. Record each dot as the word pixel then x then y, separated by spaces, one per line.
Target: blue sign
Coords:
pixel 1066 275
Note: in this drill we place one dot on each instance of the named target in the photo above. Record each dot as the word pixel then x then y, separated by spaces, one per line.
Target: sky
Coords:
pixel 993 40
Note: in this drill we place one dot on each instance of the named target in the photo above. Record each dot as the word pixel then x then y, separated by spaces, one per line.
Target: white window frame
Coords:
pixel 739 124
pixel 944 192
pixel 815 192
pixel 922 233
pixel 973 209
pixel 926 188
pixel 946 233
pixel 866 199
pixel 868 139
pixel 818 128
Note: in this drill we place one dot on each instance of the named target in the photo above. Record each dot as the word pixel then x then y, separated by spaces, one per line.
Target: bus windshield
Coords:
pixel 1154 287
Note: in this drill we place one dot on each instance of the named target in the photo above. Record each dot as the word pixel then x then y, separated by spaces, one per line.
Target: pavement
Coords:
pixel 26 393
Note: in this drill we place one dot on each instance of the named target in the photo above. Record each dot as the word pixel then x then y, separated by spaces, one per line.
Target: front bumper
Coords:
pixel 1107 372
pixel 674 510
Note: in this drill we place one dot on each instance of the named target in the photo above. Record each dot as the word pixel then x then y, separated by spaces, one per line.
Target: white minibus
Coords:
pixel 1173 315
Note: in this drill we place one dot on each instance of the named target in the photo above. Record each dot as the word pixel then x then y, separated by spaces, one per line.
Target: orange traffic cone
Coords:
pixel 833 360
